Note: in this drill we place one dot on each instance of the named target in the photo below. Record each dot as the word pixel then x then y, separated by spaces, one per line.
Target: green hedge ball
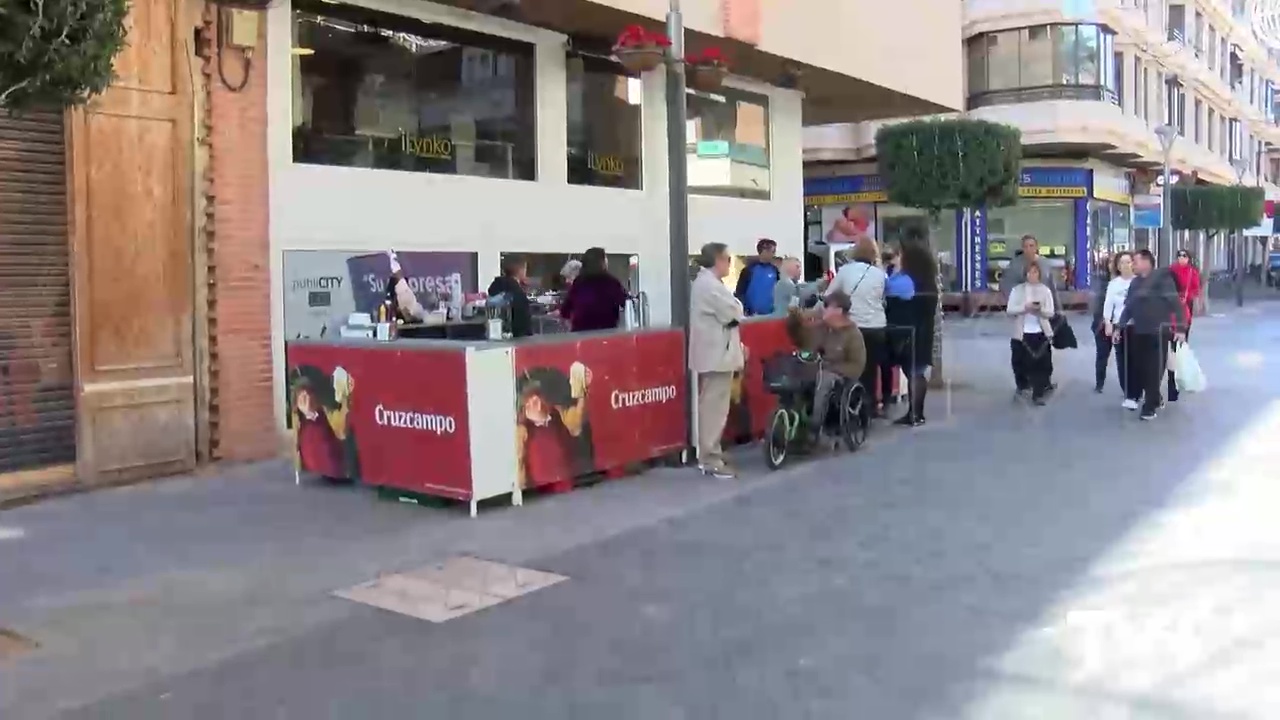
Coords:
pixel 950 164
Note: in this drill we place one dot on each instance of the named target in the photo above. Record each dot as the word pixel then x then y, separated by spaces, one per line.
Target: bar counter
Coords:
pixel 475 419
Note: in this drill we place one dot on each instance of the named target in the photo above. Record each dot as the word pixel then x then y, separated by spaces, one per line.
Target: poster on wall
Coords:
pixel 597 404
pixel 323 287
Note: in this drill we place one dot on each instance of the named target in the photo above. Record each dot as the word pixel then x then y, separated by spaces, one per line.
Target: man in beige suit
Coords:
pixel 715 353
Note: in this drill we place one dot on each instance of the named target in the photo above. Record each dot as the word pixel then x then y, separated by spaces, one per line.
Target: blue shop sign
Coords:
pixel 844 190
pixel 978 253
pixel 1049 182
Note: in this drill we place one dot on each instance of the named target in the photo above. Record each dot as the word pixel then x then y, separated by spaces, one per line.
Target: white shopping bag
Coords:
pixel 1187 374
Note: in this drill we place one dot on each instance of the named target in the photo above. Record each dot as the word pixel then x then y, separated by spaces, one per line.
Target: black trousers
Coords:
pixel 898 353
pixel 1103 345
pixel 1148 359
pixel 1020 378
pixel 1032 360
pixel 877 352
pixel 1173 386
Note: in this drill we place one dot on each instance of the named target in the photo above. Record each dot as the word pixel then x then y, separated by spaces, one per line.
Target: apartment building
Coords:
pixel 1088 83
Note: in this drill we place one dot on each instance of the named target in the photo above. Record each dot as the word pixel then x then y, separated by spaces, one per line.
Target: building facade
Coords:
pixel 1088 84
pixel 247 170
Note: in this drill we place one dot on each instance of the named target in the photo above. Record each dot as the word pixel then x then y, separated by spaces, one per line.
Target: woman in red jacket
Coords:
pixel 1188 277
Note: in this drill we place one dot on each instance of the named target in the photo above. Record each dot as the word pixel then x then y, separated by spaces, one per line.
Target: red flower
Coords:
pixel 637 36
pixel 710 56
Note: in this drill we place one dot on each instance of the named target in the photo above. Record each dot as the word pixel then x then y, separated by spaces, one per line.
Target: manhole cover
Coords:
pixel 12 644
pixel 444 591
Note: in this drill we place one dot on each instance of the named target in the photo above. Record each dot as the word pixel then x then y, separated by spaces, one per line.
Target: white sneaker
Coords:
pixel 1129 404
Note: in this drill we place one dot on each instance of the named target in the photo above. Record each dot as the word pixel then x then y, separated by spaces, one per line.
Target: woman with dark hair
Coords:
pixel 595 299
pixel 511 284
pixel 1106 316
pixel 918 313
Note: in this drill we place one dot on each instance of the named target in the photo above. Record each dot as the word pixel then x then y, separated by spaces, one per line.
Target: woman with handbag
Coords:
pixel 1031 348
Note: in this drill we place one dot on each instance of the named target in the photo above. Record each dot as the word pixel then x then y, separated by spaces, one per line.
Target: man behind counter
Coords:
pixel 511 283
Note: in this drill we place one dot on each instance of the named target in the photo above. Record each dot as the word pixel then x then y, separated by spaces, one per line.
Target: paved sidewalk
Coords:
pixel 932 575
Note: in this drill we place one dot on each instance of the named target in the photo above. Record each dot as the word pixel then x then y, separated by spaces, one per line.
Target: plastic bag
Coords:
pixel 1187 374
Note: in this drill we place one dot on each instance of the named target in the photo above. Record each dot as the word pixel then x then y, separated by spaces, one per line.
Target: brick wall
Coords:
pixel 240 401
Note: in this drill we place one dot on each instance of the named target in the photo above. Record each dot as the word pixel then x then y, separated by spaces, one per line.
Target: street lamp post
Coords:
pixel 678 170
pixel 678 200
pixel 1166 134
pixel 1241 166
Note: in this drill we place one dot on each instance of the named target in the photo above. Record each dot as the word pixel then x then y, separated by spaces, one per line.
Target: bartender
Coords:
pixel 400 296
pixel 510 286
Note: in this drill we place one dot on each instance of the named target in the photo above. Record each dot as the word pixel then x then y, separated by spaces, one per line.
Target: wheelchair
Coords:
pixel 793 379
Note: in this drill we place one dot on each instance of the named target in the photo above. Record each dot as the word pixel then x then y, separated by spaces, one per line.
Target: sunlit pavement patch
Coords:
pixel 1251 360
pixel 11 533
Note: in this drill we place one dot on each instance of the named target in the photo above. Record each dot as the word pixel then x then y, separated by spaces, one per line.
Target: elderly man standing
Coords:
pixel 789 292
pixel 715 353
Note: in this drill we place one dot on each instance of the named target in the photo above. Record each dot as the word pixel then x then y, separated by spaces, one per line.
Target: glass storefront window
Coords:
pixel 894 222
pixel 1110 232
pixel 604 123
pixel 1052 222
pixel 728 152
pixel 377 90
pixel 1042 62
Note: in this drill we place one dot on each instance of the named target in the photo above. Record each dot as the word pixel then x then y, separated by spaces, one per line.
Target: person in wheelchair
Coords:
pixel 830 333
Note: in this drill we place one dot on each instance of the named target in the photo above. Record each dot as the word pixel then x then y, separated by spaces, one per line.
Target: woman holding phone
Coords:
pixel 1031 306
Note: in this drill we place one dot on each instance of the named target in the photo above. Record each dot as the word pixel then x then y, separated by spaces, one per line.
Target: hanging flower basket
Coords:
pixel 639 49
pixel 707 77
pixel 707 70
pixel 639 59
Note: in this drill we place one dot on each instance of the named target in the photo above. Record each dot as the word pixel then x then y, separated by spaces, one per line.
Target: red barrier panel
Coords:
pixel 597 403
pixel 382 416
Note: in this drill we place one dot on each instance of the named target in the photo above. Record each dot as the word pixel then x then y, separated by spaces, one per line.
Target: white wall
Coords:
pixel 316 207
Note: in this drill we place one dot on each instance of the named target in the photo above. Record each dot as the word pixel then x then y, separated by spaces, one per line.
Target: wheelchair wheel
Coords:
pixel 777 439
pixel 853 421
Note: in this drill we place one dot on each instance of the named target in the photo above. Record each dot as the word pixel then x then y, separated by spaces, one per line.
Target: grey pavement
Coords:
pixel 1002 562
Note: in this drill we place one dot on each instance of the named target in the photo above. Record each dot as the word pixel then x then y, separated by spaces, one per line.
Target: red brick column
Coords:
pixel 241 405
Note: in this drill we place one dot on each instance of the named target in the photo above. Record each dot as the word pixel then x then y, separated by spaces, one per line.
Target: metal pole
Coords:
pixel 678 189
pixel 678 170
pixel 1239 268
pixel 1164 248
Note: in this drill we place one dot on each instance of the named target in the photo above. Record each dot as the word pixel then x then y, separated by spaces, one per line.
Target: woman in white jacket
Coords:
pixel 1112 306
pixel 1031 349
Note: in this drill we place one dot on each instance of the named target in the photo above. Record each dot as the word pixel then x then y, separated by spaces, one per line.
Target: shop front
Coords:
pixel 460 140
pixel 1078 215
pixel 37 388
pixel 833 204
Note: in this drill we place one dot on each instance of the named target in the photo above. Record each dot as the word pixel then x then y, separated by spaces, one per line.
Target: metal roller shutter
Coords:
pixel 37 400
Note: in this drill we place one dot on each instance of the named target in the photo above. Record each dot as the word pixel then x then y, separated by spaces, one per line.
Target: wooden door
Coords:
pixel 131 159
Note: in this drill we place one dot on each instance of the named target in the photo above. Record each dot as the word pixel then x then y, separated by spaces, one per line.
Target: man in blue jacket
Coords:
pixel 756 281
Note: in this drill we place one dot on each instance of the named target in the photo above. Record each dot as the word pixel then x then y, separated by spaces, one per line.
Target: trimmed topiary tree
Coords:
pixel 56 53
pixel 1225 208
pixel 1218 208
pixel 949 164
